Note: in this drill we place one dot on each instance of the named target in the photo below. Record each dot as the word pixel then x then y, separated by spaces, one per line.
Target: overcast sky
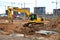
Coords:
pixel 29 3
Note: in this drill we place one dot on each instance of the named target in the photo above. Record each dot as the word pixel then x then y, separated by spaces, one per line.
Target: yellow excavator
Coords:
pixel 33 19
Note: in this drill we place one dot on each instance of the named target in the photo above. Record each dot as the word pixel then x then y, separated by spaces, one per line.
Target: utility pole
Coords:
pixel 35 3
pixel 56 7
pixel 56 10
pixel 24 8
pixel 21 5
pixel 24 5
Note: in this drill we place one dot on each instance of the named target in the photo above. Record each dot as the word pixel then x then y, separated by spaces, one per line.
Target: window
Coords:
pixel 33 17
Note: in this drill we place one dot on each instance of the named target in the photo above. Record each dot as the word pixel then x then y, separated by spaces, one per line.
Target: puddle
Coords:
pixel 46 32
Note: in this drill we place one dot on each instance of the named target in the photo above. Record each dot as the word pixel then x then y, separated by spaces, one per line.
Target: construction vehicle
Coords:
pixel 33 19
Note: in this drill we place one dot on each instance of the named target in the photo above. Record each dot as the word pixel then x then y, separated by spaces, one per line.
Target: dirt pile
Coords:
pixel 54 24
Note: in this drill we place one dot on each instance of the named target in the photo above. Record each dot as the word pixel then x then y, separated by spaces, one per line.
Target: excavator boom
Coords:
pixel 17 10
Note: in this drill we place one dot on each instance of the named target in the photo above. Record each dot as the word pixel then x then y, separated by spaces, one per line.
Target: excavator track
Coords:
pixel 32 27
pixel 33 24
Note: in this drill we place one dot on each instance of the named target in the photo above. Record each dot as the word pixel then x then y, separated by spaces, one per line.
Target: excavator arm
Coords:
pixel 17 10
pixel 22 10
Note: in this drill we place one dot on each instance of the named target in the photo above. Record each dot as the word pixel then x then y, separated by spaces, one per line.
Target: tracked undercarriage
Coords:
pixel 30 28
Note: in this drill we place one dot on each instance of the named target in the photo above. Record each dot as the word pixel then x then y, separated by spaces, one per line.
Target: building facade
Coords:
pixel 6 12
pixel 56 12
pixel 39 10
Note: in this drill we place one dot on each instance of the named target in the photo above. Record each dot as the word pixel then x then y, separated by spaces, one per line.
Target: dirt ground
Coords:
pixel 28 37
pixel 17 25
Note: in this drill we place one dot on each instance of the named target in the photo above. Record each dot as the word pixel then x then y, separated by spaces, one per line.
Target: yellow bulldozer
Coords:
pixel 33 19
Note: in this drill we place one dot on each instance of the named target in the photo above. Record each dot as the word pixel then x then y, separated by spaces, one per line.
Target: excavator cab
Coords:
pixel 34 20
pixel 33 17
